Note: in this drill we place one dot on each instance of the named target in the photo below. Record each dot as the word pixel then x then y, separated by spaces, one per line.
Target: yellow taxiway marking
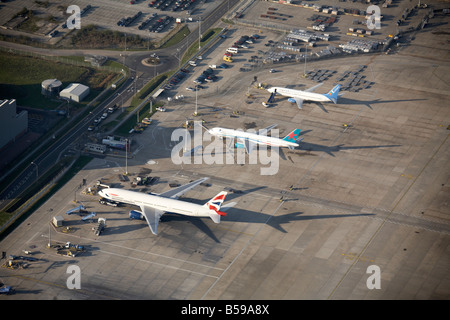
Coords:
pixel 352 255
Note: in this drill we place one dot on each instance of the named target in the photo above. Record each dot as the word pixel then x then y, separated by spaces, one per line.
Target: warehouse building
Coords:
pixel 75 92
pixel 12 124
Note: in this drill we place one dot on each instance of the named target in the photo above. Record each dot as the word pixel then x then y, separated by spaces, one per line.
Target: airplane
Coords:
pixel 153 206
pixel 299 96
pixel 249 140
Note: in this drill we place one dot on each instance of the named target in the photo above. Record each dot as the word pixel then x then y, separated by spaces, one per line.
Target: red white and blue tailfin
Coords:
pixel 214 205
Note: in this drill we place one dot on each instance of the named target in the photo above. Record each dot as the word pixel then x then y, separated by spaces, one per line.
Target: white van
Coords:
pixel 232 50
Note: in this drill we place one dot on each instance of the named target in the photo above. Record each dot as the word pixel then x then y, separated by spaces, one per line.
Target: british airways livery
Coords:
pixel 153 206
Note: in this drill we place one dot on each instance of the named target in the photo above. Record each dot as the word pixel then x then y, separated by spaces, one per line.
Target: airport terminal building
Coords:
pixel 12 124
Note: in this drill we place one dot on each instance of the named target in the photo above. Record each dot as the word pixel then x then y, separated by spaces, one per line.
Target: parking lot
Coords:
pixel 213 61
pixel 131 17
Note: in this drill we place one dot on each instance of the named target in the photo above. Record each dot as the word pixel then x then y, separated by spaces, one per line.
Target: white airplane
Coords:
pixel 299 96
pixel 153 206
pixel 249 140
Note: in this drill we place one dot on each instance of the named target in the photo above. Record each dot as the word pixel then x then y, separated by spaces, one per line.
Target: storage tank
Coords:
pixel 51 87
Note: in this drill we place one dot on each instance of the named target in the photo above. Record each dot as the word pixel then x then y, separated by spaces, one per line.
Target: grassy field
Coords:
pixel 95 37
pixel 21 78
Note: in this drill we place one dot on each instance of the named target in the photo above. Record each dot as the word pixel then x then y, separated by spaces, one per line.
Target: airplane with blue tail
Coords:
pixel 249 140
pixel 298 96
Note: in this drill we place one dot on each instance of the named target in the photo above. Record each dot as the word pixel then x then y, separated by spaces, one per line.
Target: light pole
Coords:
pixel 121 95
pixel 199 32
pixel 186 135
pixel 196 101
pixel 306 50
pixel 49 244
pixel 126 157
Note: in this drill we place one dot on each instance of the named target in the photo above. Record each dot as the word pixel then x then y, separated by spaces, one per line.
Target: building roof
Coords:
pixel 75 89
pixel 51 83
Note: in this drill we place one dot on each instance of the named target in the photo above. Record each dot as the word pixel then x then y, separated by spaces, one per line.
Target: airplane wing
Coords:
pixel 152 216
pixel 177 192
pixel 265 131
pixel 192 152
pixel 299 102
pixel 249 146
pixel 228 206
pixel 313 88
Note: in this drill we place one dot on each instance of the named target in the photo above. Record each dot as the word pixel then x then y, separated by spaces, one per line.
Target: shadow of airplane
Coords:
pixel 369 103
pixel 276 222
pixel 232 194
pixel 320 105
pixel 306 146
pixel 246 216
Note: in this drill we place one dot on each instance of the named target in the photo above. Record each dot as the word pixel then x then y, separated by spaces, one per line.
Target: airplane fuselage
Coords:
pixel 253 137
pixel 304 95
pixel 155 202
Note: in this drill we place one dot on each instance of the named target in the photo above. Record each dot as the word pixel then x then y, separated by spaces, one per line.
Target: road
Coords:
pixel 169 56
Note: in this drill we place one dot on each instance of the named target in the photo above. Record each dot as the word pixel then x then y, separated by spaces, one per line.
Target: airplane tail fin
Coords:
pixel 333 95
pixel 293 136
pixel 214 205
